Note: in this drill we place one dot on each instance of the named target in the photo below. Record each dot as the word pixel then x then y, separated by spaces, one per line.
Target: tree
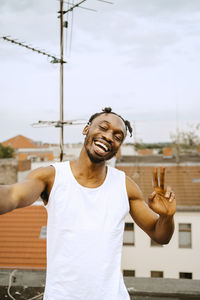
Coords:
pixel 188 139
pixel 6 151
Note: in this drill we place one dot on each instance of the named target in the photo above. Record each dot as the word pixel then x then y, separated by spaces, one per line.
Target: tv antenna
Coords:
pixel 60 123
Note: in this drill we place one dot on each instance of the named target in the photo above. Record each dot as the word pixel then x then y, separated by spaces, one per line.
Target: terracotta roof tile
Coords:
pixel 167 151
pixel 20 141
pixel 24 165
pixel 184 180
pixel 20 245
pixel 145 152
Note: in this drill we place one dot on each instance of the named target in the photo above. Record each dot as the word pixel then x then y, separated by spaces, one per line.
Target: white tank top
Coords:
pixel 84 237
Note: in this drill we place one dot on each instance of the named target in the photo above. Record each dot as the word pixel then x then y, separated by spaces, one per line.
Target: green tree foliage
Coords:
pixel 6 151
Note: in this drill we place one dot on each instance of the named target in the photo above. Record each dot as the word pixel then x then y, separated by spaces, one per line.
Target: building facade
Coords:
pixel 181 257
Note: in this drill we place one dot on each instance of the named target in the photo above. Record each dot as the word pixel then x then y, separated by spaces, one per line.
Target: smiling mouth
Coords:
pixel 101 145
pixel 100 148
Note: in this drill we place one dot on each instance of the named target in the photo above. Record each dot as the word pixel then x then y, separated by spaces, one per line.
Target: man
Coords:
pixel 87 202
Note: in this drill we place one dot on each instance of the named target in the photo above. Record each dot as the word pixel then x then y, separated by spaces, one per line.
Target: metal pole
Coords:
pixel 61 80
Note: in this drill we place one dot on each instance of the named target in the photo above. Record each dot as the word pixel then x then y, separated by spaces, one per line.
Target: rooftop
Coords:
pixel 21 244
pixel 184 180
pixel 159 159
pixel 27 283
pixel 20 141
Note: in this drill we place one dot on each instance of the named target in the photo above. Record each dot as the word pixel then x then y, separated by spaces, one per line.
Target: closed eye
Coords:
pixel 118 138
pixel 103 128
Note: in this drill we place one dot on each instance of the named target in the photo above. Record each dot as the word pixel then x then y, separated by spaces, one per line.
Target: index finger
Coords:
pixel 162 178
pixel 155 177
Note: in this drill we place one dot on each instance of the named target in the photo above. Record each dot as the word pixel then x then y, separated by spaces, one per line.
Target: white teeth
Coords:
pixel 101 145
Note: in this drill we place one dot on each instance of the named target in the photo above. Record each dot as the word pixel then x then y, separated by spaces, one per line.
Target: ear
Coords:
pixel 85 130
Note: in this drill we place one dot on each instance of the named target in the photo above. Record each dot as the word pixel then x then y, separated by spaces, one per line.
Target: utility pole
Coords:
pixel 61 81
pixel 60 124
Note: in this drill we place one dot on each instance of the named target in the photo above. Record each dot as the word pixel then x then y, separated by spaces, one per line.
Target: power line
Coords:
pixel 71 8
pixel 83 7
pixel 109 2
pixel 72 25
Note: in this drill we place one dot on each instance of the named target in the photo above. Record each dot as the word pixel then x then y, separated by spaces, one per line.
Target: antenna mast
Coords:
pixel 60 60
pixel 61 81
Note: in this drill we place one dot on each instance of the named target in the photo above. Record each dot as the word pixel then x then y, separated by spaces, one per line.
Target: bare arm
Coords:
pixel 156 218
pixel 25 193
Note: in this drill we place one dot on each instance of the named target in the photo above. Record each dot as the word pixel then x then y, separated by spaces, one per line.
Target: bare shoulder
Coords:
pixel 133 190
pixel 45 174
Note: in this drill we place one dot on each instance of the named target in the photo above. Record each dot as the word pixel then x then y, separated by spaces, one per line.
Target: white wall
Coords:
pixel 22 175
pixel 168 258
pixel 127 150
pixel 40 164
pixel 72 151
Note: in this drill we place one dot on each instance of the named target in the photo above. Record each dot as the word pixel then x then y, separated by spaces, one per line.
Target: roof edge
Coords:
pixel 187 208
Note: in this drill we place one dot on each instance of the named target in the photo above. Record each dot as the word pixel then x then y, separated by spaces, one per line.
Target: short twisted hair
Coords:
pixel 108 110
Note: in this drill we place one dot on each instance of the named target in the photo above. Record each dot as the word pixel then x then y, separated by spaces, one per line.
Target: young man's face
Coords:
pixel 104 136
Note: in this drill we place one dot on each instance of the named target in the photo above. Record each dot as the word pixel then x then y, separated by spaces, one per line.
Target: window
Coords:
pixel 185 238
pixel 129 273
pixel 154 244
pixel 43 232
pixel 129 238
pixel 157 274
pixel 185 275
pixel 34 158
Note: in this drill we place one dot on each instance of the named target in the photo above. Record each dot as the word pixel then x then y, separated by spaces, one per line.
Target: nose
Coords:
pixel 108 136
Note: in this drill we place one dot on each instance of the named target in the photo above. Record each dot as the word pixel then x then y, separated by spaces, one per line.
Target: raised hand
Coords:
pixel 162 201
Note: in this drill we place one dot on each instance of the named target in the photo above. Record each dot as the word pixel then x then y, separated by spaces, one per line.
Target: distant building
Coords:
pixel 145 152
pixel 181 257
pixel 26 149
pixel 167 152
pixel 8 171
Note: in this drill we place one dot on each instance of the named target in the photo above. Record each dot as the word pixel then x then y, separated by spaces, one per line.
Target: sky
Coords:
pixel 140 57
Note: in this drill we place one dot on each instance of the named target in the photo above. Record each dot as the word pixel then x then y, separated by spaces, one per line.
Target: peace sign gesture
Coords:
pixel 162 201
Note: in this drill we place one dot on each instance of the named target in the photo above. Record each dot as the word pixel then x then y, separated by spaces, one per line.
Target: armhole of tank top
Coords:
pixel 122 183
pixel 53 186
pixel 58 172
pixel 125 191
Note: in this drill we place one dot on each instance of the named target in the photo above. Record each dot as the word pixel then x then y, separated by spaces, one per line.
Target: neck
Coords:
pixel 86 166
pixel 87 173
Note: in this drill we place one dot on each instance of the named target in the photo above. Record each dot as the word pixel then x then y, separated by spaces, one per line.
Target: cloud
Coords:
pixel 23 6
pixel 138 56
pixel 142 31
pixel 156 7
